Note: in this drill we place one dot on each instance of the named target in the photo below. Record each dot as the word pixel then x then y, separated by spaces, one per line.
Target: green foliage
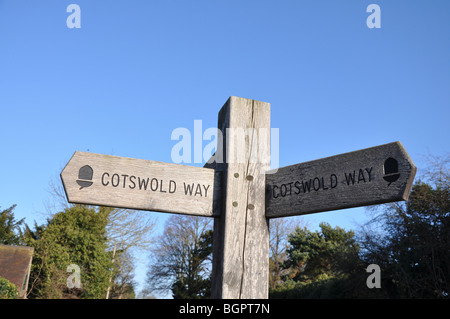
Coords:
pixel 7 289
pixel 75 236
pixel 330 252
pixel 324 287
pixel 415 252
pixel 10 227
pixel 412 251
pixel 321 264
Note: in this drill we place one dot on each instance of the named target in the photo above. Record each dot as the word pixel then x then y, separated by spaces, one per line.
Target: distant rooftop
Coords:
pixel 15 263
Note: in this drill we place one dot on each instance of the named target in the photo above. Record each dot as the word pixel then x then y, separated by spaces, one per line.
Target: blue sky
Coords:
pixel 136 70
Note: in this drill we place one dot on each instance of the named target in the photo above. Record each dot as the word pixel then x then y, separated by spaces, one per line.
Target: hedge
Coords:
pixel 7 289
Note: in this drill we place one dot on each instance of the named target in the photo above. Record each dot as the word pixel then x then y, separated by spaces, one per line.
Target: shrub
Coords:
pixel 7 289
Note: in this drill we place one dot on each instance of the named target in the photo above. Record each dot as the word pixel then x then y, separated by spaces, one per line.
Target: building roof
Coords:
pixel 15 262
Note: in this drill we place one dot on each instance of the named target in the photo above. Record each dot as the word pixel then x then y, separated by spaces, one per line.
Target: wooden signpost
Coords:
pixel 106 180
pixel 239 192
pixel 371 176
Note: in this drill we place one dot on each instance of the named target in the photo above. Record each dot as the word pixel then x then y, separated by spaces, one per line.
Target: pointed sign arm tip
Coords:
pixel 370 176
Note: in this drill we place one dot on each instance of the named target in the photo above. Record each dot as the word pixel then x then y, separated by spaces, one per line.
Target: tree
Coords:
pixel 408 241
pixel 126 228
pixel 330 252
pixel 279 231
pixel 413 249
pixel 7 289
pixel 195 283
pixel 181 258
pixel 129 233
pixel 76 236
pixel 10 232
pixel 321 264
pixel 122 282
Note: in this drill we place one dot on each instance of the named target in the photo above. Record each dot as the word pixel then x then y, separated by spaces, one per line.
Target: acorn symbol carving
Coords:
pixel 85 176
pixel 390 168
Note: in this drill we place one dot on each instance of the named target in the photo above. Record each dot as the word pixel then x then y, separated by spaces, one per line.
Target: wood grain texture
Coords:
pixel 141 184
pixel 359 178
pixel 241 234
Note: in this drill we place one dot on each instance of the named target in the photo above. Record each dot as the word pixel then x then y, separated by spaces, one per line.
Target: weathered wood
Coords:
pixel 106 180
pixel 241 235
pixel 235 188
pixel 371 176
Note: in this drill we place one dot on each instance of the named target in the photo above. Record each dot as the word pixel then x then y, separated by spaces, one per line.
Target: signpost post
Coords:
pixel 239 191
